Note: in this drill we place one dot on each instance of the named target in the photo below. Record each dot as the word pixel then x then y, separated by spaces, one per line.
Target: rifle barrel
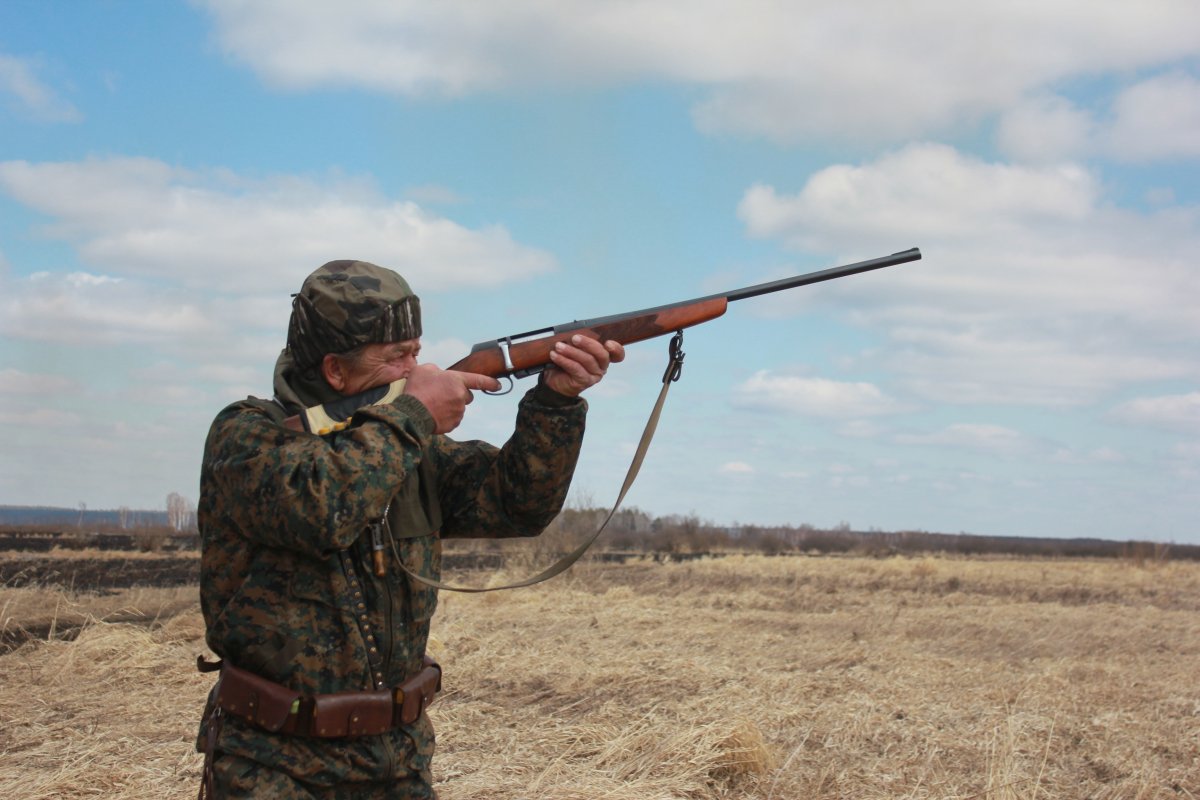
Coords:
pixel 911 254
pixel 902 257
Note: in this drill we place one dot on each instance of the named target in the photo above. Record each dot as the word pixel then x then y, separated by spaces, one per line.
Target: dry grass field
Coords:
pixel 741 677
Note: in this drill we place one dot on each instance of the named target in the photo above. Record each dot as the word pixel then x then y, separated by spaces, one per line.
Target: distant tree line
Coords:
pixel 122 518
pixel 179 516
pixel 634 531
pixel 630 531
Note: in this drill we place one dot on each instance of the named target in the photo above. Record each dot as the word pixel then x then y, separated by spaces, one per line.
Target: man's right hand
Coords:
pixel 446 393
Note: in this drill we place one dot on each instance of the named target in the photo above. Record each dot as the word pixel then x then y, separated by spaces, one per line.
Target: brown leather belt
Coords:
pixel 278 709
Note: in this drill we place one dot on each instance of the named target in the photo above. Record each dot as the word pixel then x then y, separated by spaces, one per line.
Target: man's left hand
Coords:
pixel 581 363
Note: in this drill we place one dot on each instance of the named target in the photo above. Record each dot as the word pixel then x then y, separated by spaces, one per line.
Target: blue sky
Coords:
pixel 170 172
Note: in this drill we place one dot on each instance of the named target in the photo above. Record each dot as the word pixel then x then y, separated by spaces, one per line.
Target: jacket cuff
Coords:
pixel 543 395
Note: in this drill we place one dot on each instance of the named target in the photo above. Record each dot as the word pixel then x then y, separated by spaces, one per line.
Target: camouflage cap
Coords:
pixel 346 304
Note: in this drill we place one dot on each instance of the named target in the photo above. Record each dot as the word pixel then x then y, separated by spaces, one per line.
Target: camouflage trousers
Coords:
pixel 237 778
pixel 251 763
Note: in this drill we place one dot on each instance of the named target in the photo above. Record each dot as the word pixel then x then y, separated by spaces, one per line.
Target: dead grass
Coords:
pixel 741 677
pixel 96 554
pixel 106 715
pixel 49 612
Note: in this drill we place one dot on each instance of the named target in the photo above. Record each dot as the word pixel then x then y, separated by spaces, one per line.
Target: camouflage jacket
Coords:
pixel 287 587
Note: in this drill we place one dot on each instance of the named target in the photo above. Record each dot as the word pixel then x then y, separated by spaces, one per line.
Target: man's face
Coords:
pixel 378 364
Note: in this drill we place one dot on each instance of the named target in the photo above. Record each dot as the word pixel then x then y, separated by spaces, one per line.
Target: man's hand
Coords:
pixel 446 393
pixel 581 364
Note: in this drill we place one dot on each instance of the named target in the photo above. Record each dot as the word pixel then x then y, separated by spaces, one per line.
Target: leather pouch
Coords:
pixel 262 702
pixel 352 714
pixel 419 691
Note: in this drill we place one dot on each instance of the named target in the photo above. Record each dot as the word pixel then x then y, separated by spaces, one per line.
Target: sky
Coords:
pixel 170 172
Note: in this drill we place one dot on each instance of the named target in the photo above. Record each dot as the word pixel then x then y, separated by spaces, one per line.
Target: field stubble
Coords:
pixel 739 677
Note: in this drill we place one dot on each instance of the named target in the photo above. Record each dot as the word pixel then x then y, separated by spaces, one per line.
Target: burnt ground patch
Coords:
pixel 99 574
pixel 28 540
pixel 113 572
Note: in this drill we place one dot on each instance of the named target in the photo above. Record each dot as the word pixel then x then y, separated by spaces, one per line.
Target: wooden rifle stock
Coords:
pixel 529 353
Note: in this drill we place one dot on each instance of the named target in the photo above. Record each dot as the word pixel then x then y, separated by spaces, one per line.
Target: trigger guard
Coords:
pixel 500 392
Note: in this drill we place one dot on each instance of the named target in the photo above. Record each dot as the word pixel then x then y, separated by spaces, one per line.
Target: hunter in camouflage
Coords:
pixel 291 524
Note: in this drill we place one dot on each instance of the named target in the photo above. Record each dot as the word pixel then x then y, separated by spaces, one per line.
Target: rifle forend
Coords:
pixel 529 353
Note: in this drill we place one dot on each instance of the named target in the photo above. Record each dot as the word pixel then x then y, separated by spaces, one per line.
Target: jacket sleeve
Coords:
pixel 518 489
pixel 314 494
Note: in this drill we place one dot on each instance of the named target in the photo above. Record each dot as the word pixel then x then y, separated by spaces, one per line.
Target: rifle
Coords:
pixel 525 354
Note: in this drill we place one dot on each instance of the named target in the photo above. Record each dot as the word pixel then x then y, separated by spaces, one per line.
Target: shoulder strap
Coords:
pixel 674 370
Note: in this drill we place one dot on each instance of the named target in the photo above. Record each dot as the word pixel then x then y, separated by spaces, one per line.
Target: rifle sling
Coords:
pixel 562 565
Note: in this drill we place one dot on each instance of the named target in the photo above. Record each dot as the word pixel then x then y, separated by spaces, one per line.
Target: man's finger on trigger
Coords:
pixel 473 380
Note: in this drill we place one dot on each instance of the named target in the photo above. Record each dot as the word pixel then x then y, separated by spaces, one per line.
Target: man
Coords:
pixel 309 541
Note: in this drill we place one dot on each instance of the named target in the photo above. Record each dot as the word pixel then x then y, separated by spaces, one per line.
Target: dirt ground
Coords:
pixel 760 678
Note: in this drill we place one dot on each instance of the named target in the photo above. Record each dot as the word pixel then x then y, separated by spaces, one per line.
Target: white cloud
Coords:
pixel 40 418
pixel 217 343
pixel 860 429
pixel 137 216
pixel 1045 127
pixel 443 351
pixel 870 70
pixel 18 78
pixel 179 272
pixel 1154 119
pixel 1033 288
pixel 17 382
pixel 1006 360
pixel 981 437
pixel 1105 455
pixel 920 191
pixel 813 396
pixel 736 468
pixel 1179 412
pixel 1157 118
pixel 80 308
pixel 1096 455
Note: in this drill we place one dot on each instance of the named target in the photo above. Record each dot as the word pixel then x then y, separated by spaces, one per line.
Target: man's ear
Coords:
pixel 331 369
